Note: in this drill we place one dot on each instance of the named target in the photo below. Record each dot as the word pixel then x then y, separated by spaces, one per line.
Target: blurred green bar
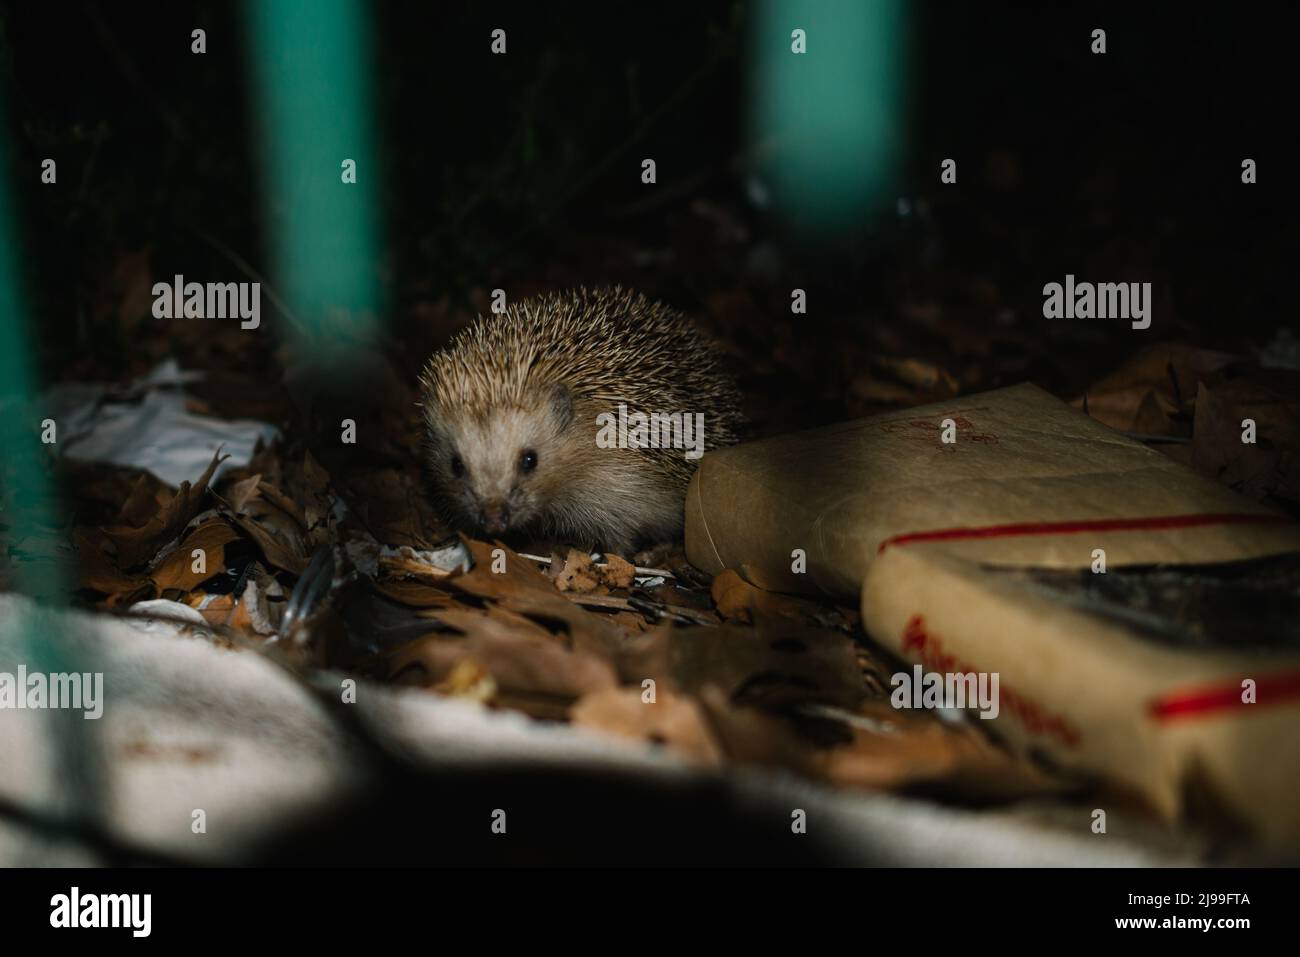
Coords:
pixel 830 121
pixel 312 91
pixel 30 514
pixel 34 540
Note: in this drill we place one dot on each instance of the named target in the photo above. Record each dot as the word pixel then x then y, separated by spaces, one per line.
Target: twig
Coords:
pixel 641 606
pixel 640 572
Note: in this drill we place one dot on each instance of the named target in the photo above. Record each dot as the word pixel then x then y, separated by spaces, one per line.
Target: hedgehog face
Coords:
pixel 494 469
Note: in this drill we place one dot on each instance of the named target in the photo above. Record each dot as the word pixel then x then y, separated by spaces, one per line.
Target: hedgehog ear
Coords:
pixel 560 401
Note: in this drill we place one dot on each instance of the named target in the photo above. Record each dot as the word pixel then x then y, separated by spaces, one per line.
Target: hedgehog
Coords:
pixel 563 418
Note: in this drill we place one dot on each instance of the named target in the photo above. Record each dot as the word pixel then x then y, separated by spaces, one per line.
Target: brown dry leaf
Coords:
pixel 406 564
pixel 738 600
pixel 97 572
pixel 647 654
pixel 468 620
pixel 617 572
pixel 216 611
pixel 97 492
pixel 672 720
pixel 533 674
pixel 1157 414
pixel 242 613
pixel 788 696
pixel 143 504
pixel 137 544
pixel 1153 392
pixel 318 497
pixel 874 746
pixel 265 463
pixel 749 735
pixel 277 534
pixel 278 540
pixel 630 622
pixel 773 666
pixel 239 494
pixel 283 503
pixel 414 594
pixel 395 508
pixel 522 588
pixel 733 595
pixel 254 611
pixel 576 574
pixel 921 752
pixel 1259 469
pixel 176 569
pixel 250 612
pixel 868 388
pixel 919 374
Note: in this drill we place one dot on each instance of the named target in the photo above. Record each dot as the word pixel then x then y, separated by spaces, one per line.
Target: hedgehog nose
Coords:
pixel 496 517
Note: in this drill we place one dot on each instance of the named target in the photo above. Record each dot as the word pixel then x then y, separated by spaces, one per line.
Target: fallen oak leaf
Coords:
pixel 283 503
pixel 143 503
pixel 868 388
pixel 773 666
pixel 240 493
pixel 252 612
pixel 919 374
pixel 279 534
pixel 738 600
pixel 520 587
pixel 1256 468
pixel 407 562
pixel 576 574
pixel 532 674
pixel 182 569
pixel 875 748
pixel 318 494
pixel 138 544
pixel 468 620
pixel 1153 391
pixel 394 508
pixel 886 748
pixel 617 572
pixel 413 594
pixel 733 596
pixel 97 572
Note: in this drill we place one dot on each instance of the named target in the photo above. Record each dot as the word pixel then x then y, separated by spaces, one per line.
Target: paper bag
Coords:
pixel 947 520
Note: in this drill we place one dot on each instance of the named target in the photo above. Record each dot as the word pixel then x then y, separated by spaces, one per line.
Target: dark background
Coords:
pixel 523 171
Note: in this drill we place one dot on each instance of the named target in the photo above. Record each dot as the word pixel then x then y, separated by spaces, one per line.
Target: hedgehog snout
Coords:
pixel 494 516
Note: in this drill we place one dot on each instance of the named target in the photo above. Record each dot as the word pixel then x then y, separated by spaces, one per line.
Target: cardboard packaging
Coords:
pixel 974 534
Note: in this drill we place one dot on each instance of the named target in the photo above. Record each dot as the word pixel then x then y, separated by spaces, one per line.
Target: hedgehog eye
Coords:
pixel 528 460
pixel 457 466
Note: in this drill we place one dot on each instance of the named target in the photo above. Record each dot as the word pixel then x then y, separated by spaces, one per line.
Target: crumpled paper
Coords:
pixel 148 426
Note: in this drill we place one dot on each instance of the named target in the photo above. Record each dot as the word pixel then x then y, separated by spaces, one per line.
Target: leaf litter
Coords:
pixel 716 678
